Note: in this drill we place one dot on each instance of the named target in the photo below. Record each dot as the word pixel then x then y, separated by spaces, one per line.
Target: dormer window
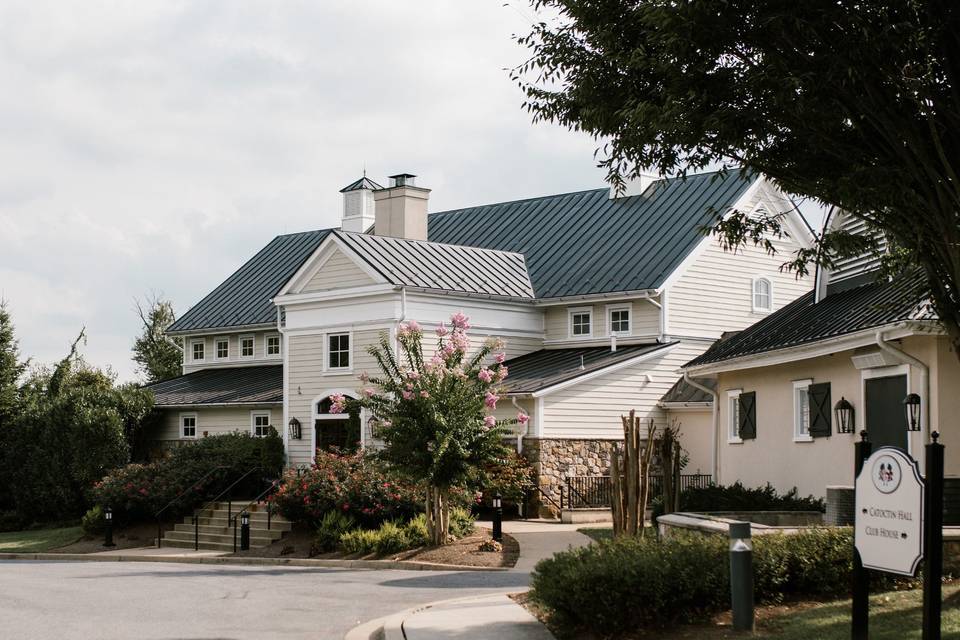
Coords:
pixel 223 348
pixel 762 295
pixel 197 350
pixel 581 323
pixel 273 346
pixel 246 347
pixel 619 317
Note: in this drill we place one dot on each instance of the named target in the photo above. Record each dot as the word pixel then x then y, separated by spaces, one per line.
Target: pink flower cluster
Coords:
pixel 409 329
pixel 338 403
pixel 460 321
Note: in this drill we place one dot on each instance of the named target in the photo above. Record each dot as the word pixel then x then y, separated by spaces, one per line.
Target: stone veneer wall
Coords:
pixel 555 460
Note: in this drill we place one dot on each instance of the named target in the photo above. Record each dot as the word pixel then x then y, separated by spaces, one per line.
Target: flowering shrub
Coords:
pixel 352 484
pixel 434 414
pixel 512 477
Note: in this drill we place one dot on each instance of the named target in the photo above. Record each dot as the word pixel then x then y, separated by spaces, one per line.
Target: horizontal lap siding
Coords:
pixel 233 339
pixel 592 409
pixel 216 421
pixel 644 316
pixel 715 293
pixel 338 272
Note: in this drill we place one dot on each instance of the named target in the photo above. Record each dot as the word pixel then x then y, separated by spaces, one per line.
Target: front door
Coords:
pixel 886 422
pixel 342 434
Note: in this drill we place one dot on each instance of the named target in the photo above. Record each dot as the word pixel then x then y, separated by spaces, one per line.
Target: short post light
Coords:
pixel 108 533
pixel 741 575
pixel 244 531
pixel 294 429
pixel 497 518
pixel 844 412
pixel 911 405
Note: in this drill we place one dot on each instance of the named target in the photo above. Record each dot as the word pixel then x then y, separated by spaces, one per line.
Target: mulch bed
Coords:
pixel 463 552
pixel 132 537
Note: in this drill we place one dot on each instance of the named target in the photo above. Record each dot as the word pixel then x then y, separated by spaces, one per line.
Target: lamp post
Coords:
pixel 108 534
pixel 844 412
pixel 497 518
pixel 911 405
pixel 741 575
pixel 244 531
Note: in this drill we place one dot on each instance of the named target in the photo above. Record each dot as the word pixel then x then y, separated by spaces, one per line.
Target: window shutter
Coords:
pixel 821 424
pixel 748 415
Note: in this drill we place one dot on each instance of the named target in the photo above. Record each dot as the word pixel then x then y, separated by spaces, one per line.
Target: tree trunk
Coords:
pixel 630 477
pixel 438 515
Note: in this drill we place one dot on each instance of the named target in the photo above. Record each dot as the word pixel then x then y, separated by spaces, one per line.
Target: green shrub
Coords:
pixel 624 584
pixel 363 541
pixel 332 526
pixel 391 538
pixel 137 491
pixel 461 522
pixel 417 531
pixel 92 522
pixel 736 497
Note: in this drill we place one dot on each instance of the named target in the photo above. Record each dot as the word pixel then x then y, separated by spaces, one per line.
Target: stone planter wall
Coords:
pixel 555 460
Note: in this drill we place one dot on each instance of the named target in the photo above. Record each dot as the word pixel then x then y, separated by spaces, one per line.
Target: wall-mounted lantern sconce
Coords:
pixel 295 432
pixel 911 405
pixel 844 412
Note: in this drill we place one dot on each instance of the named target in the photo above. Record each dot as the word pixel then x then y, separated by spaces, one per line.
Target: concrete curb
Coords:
pixel 391 627
pixel 406 565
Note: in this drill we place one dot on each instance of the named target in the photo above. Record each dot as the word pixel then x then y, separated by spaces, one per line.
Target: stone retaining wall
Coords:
pixel 555 460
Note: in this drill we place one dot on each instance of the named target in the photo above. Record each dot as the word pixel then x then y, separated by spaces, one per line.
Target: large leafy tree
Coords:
pixel 434 415
pixel 11 367
pixel 853 104
pixel 158 357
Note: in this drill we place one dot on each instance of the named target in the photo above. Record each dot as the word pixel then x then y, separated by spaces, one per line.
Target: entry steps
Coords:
pixel 216 529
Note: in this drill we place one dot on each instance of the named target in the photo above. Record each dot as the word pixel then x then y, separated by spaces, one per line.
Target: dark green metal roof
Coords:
pixel 233 385
pixel 362 183
pixel 877 303
pixel 586 243
pixel 682 393
pixel 243 299
pixel 532 372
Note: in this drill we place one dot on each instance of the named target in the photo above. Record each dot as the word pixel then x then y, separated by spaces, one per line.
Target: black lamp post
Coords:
pixel 844 412
pixel 294 425
pixel 497 518
pixel 108 534
pixel 244 531
pixel 911 405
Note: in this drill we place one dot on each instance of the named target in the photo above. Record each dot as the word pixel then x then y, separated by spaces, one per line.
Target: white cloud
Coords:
pixel 156 145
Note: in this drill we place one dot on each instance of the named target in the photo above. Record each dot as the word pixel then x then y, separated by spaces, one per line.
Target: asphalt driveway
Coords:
pixel 145 601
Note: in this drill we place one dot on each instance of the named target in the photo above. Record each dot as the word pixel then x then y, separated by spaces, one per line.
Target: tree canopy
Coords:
pixel 856 105
pixel 157 356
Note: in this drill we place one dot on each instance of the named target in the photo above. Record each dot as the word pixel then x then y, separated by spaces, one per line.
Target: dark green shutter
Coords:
pixel 821 424
pixel 748 415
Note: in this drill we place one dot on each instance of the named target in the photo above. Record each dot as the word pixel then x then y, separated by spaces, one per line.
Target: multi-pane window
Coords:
pixel 223 349
pixel 620 321
pixel 801 409
pixel 246 347
pixel 580 323
pixel 188 426
pixel 261 424
pixel 273 345
pixel 762 299
pixel 338 352
pixel 197 350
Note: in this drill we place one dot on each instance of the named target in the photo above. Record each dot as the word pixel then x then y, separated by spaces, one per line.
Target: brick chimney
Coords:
pixel 401 208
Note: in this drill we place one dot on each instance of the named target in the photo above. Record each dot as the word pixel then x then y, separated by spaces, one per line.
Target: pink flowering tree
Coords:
pixel 434 413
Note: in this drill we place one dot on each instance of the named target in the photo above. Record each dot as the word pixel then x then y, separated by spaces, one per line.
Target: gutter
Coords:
pixel 714 439
pixel 636 293
pixel 924 372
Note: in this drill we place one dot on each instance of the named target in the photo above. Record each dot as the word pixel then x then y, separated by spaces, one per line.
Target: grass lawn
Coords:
pixel 38 540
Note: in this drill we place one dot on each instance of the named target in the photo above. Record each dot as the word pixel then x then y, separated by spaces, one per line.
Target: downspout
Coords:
pixel 924 373
pixel 403 304
pixel 526 427
pixel 714 439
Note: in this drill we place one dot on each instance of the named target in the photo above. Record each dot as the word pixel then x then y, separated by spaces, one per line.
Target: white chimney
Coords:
pixel 358 205
pixel 401 208
pixel 636 186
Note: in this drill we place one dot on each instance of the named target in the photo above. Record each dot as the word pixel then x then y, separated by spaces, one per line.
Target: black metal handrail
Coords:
pixel 213 501
pixel 179 496
pixel 597 491
pixel 549 499
pixel 273 485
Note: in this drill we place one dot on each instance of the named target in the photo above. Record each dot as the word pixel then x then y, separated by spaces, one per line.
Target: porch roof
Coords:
pixel 229 385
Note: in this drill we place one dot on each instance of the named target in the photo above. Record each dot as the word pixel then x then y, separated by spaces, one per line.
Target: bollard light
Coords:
pixel 244 531
pixel 497 518
pixel 741 575
pixel 911 404
pixel 108 533
pixel 496 501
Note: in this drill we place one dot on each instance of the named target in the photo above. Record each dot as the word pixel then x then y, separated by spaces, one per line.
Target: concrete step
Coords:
pixel 205 546
pixel 260 523
pixel 187 536
pixel 259 532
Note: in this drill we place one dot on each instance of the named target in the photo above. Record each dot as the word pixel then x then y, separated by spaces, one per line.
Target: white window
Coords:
pixel 222 348
pixel 273 346
pixel 260 423
pixel 197 350
pixel 581 323
pixel 733 416
pixel 338 351
pixel 762 295
pixel 619 319
pixel 246 347
pixel 188 425
pixel 801 411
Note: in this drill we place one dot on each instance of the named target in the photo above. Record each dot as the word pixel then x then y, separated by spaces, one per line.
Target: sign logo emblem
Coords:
pixel 886 474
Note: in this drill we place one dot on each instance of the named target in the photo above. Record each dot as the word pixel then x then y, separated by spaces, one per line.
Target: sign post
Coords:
pixel 933 560
pixel 861 579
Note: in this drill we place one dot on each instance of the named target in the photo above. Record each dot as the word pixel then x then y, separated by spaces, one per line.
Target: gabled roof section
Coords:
pixel 362 183
pixel 546 368
pixel 442 267
pixel 244 298
pixel 586 243
pixel 228 385
pixel 684 393
pixel 877 303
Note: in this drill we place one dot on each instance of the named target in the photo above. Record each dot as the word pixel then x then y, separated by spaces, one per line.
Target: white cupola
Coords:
pixel 358 206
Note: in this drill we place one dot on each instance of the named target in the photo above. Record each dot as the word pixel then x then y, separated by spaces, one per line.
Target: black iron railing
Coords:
pixel 211 505
pixel 596 492
pixel 260 498
pixel 176 501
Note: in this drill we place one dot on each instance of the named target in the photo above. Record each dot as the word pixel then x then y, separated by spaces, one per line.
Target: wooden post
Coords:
pixel 861 579
pixel 933 540
pixel 629 477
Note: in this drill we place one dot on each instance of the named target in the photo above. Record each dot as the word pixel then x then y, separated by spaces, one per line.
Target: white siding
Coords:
pixel 851 267
pixel 644 320
pixel 215 421
pixel 233 339
pixel 338 272
pixel 715 293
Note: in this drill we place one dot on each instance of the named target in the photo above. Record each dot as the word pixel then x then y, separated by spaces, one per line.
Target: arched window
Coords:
pixel 762 295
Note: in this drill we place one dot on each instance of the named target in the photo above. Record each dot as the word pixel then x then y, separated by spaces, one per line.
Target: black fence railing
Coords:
pixel 596 492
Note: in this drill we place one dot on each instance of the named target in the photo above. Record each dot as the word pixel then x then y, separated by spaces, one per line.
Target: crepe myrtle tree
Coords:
pixel 434 414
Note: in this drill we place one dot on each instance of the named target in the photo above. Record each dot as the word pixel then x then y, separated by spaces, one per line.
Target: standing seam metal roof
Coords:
pixel 248 385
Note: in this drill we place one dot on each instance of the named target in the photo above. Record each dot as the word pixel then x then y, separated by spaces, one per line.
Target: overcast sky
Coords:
pixel 155 146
